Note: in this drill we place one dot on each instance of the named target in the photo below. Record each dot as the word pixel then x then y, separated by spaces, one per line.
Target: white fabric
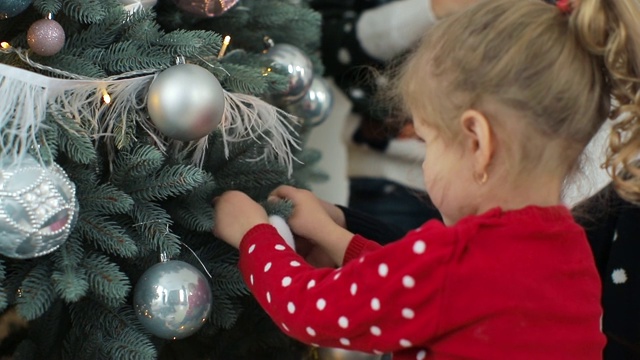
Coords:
pixel 386 31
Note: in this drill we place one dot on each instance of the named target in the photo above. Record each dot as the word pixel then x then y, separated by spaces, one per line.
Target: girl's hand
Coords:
pixel 235 214
pixel 313 219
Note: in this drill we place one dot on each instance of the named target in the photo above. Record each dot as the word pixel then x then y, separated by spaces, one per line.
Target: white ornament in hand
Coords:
pixel 283 229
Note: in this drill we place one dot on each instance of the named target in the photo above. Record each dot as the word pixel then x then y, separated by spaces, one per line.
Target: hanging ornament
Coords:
pixel 323 353
pixel 315 105
pixel 205 8
pixel 46 37
pixel 172 299
pixel 132 6
pixel 283 229
pixel 185 102
pixel 11 8
pixel 38 208
pixel 298 67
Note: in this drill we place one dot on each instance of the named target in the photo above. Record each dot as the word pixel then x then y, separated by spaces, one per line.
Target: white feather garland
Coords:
pixel 26 97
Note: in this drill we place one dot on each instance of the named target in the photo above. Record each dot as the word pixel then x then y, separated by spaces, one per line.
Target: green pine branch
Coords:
pixel 170 182
pixel 106 235
pixel 104 198
pixel 36 292
pixel 87 11
pixel 106 280
pixel 69 279
pixel 75 141
pixel 152 223
pixel 3 295
pixel 142 161
pixel 47 6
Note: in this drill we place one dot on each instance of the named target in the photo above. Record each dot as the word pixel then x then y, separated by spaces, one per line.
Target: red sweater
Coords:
pixel 502 285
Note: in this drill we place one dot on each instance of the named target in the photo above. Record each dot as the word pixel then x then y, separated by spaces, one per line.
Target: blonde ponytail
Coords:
pixel 611 29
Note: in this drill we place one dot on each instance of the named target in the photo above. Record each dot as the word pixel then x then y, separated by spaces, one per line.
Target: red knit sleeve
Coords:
pixel 358 247
pixel 386 300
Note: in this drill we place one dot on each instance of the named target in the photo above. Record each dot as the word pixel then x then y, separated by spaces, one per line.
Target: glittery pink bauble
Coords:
pixel 205 8
pixel 46 37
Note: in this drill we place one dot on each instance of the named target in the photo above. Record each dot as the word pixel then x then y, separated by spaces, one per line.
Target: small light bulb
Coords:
pixel 225 43
pixel 5 45
pixel 106 97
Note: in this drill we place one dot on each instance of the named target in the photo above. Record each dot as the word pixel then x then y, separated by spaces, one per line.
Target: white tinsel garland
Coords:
pixel 26 97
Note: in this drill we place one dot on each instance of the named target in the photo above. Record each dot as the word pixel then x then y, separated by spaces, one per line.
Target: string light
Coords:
pixel 106 97
pixel 225 43
pixel 5 45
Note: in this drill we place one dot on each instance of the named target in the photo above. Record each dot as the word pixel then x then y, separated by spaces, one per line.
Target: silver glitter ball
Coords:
pixel 316 105
pixel 298 68
pixel 325 353
pixel 172 299
pixel 38 208
pixel 185 102
pixel 45 37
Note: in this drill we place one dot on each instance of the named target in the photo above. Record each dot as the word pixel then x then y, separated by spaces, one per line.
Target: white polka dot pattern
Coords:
pixel 286 281
pixel 408 313
pixel 267 267
pixel 280 247
pixel 408 281
pixel 284 326
pixel 375 304
pixel 336 276
pixel 345 341
pixel 343 322
pixel 291 307
pixel 383 270
pixel 376 331
pixel 251 279
pixel 311 284
pixel 321 304
pixel 294 263
pixel 422 354
pixel 405 343
pixel 310 331
pixel 251 248
pixel 353 289
pixel 419 247
pixel 269 297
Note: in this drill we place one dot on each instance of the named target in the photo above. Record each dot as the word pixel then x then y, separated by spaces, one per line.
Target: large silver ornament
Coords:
pixel 315 106
pixel 298 67
pixel 324 353
pixel 172 299
pixel 185 102
pixel 38 208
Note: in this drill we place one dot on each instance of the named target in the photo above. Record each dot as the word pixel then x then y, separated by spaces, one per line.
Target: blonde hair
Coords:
pixel 559 73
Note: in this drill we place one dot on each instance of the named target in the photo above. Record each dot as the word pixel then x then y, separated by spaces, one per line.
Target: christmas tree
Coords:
pixel 121 121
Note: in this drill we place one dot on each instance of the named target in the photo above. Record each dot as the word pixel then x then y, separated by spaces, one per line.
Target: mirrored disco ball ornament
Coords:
pixel 205 8
pixel 185 102
pixel 38 208
pixel 315 106
pixel 298 68
pixel 172 299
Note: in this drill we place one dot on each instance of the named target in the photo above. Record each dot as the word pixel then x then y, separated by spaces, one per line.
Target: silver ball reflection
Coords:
pixel 185 102
pixel 315 106
pixel 298 68
pixel 172 299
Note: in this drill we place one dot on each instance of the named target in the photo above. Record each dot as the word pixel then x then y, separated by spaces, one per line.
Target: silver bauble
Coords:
pixel 135 5
pixel 325 353
pixel 46 37
pixel 315 106
pixel 298 67
pixel 172 299
pixel 185 102
pixel 38 208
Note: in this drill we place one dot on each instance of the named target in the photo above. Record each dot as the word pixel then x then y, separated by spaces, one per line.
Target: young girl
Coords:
pixel 505 95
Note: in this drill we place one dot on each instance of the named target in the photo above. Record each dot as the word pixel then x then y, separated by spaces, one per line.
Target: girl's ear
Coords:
pixel 478 138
